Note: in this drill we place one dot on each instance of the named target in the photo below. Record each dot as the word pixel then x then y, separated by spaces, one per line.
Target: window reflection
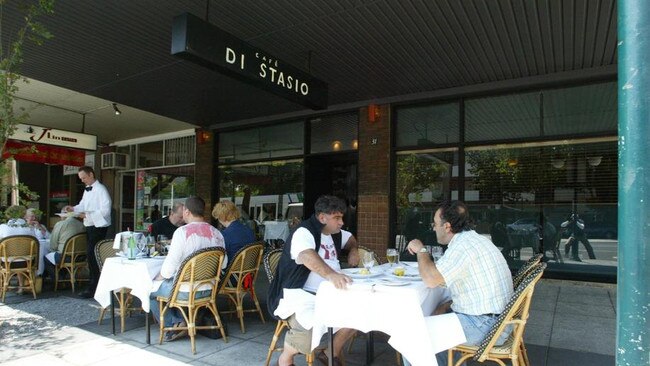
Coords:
pixel 264 191
pixel 525 200
pixel 422 181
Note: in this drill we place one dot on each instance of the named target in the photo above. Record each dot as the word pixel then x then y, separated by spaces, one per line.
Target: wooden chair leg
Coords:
pixel 276 335
pixel 257 305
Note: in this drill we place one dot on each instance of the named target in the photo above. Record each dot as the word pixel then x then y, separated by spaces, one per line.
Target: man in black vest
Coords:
pixel 310 256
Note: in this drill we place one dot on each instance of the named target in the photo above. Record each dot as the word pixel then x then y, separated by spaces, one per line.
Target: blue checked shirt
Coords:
pixel 476 275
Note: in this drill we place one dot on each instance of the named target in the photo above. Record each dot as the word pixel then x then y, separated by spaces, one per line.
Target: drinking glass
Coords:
pixel 162 243
pixel 151 242
pixel 392 256
pixel 368 260
pixel 436 253
pixel 141 244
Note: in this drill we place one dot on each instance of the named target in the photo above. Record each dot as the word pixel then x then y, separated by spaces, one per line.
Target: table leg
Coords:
pixel 370 348
pixel 113 311
pixel 148 326
pixel 330 352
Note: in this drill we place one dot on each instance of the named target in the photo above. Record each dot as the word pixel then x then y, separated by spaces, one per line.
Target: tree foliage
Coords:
pixel 11 58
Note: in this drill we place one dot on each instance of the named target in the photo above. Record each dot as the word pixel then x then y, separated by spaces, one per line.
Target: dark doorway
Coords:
pixel 333 174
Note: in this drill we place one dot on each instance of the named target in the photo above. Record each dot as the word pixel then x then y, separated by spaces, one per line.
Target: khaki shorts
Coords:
pixel 297 336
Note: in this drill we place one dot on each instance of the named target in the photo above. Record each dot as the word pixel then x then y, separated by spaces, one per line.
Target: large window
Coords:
pixel 264 191
pixel 547 184
pixel 525 197
pixel 267 142
pixel 428 125
pixel 422 180
pixel 334 133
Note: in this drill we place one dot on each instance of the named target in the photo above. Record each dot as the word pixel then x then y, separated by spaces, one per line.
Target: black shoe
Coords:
pixel 577 259
pixel 87 294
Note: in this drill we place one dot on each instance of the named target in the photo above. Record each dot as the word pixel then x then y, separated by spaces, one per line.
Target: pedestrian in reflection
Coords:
pixel 576 229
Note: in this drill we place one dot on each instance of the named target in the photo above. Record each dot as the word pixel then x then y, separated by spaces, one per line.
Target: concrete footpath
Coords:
pixel 571 323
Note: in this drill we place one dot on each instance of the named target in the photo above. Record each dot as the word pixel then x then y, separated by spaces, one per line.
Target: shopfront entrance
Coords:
pixel 333 174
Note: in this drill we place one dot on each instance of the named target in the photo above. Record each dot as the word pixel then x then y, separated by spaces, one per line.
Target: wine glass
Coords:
pixel 141 244
pixel 436 253
pixel 392 256
pixel 151 242
pixel 368 260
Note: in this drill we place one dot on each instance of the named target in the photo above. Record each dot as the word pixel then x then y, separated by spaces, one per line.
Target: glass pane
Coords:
pixel 262 142
pixel 158 190
pixel 264 191
pixel 422 181
pixel 503 117
pixel 427 125
pixel 180 150
pixel 130 152
pixel 150 154
pixel 524 198
pixel 334 133
pixel 580 110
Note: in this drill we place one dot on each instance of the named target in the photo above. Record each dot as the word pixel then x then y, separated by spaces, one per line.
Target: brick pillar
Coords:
pixel 204 168
pixel 374 180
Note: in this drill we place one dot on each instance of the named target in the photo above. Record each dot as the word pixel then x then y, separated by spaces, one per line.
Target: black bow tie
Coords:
pixel 89 188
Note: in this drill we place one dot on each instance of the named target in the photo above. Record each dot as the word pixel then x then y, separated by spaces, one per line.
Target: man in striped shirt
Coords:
pixel 472 268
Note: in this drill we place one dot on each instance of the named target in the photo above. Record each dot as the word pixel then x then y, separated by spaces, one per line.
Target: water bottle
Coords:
pixel 132 250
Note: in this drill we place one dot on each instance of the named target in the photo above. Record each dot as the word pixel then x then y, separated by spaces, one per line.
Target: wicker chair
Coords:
pixel 103 250
pixel 18 257
pixel 515 314
pixel 271 260
pixel 202 268
pixel 73 259
pixel 525 268
pixel 244 267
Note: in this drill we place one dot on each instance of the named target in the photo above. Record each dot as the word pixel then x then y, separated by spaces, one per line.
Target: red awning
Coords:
pixel 43 154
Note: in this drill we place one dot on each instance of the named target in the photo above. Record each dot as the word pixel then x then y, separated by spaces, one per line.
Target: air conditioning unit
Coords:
pixel 115 160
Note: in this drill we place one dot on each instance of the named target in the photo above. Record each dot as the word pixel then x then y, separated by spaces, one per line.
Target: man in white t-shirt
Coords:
pixel 311 256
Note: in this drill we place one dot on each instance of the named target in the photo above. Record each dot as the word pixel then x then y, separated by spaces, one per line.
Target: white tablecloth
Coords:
pixel 137 275
pixel 44 250
pixel 401 312
pixel 274 230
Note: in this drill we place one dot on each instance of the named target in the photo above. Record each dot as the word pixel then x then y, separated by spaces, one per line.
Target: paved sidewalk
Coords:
pixel 571 324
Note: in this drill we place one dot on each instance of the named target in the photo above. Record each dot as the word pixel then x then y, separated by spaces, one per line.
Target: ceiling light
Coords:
pixel 117 111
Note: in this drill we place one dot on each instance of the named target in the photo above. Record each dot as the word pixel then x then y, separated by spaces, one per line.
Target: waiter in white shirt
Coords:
pixel 95 209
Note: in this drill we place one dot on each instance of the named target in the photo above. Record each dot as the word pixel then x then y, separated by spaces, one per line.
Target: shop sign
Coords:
pixel 59 196
pixel 205 44
pixel 51 136
pixel 70 170
pixel 36 153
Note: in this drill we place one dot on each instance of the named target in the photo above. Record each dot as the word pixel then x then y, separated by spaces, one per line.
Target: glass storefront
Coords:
pixel 163 175
pixel 539 172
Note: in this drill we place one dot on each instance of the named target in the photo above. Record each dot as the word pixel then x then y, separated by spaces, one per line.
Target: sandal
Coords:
pixel 173 335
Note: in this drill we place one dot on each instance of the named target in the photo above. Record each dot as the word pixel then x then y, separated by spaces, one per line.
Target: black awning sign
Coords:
pixel 201 42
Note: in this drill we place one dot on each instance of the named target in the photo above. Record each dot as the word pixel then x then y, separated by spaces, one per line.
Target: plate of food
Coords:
pixel 360 273
pixel 405 273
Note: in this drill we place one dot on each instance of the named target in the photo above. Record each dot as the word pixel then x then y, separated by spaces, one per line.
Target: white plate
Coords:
pixel 387 282
pixel 410 274
pixel 354 273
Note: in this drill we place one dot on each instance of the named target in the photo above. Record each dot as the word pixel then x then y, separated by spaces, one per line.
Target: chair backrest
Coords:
pixel 271 260
pixel 103 250
pixel 20 247
pixel 362 251
pixel 75 246
pixel 202 267
pixel 515 314
pixel 525 268
pixel 246 261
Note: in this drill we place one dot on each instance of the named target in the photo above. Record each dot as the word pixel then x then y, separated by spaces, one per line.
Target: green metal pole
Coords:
pixel 633 299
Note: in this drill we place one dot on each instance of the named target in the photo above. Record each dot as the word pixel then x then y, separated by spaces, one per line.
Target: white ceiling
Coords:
pixel 64 109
